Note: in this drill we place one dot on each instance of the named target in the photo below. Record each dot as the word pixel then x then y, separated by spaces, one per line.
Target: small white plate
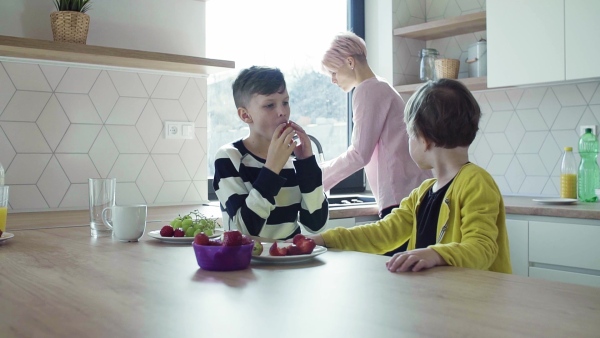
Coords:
pixel 6 236
pixel 555 200
pixel 265 257
pixel 180 240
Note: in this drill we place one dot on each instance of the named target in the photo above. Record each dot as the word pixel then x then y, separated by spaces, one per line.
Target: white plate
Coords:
pixel 265 257
pixel 556 200
pixel 6 236
pixel 180 240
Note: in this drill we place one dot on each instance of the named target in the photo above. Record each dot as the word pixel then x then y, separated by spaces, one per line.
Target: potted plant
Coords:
pixel 69 21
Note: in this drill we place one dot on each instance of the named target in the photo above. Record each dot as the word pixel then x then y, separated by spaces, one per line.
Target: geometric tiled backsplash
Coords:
pixel 61 125
pixel 523 130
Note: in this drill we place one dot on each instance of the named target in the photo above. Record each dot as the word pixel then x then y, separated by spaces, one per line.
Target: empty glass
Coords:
pixel 427 71
pixel 102 195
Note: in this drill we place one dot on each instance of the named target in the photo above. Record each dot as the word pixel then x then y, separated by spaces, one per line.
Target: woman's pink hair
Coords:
pixel 344 45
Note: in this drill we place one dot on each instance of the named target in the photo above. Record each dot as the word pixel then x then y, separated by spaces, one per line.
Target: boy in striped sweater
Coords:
pixel 264 190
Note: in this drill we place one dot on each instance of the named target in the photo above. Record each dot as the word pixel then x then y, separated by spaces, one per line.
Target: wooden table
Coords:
pixel 62 283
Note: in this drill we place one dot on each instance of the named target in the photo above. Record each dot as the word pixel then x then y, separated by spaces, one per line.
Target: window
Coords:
pixel 291 36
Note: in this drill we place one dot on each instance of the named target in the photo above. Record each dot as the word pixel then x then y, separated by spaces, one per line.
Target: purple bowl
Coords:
pixel 223 258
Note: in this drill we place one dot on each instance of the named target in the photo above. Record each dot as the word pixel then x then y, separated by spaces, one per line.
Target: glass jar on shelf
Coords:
pixel 427 68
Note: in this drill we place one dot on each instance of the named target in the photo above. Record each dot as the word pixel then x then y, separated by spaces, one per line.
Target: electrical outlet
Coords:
pixel 582 129
pixel 179 130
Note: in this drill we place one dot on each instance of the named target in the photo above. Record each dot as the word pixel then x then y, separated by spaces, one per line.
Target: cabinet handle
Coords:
pixel 471 60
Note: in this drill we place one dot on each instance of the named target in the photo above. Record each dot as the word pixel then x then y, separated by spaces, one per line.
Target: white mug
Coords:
pixel 128 222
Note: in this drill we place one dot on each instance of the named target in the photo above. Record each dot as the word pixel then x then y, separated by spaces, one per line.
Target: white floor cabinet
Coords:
pixel 554 248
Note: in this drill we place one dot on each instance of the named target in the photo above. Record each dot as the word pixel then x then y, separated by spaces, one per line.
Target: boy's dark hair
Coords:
pixel 443 112
pixel 256 80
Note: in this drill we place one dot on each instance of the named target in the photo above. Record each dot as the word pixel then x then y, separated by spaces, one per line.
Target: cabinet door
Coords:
pixel 565 276
pixel 518 235
pixel 582 38
pixel 526 42
pixel 565 244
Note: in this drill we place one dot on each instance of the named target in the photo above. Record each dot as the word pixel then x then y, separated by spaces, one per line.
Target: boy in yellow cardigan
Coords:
pixel 456 218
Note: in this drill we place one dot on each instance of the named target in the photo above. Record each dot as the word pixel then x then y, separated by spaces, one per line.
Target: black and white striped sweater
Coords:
pixel 259 202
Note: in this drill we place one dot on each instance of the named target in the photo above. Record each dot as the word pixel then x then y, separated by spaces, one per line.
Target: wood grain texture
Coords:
pixel 472 83
pixel 437 29
pixel 70 218
pixel 63 283
pixel 107 56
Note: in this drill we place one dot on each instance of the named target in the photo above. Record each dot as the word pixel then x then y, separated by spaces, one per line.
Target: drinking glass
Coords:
pixel 3 206
pixel 102 195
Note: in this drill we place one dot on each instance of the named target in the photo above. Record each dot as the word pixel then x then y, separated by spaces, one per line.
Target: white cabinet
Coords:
pixel 526 41
pixel 565 251
pixel 582 38
pixel 539 41
pixel 518 235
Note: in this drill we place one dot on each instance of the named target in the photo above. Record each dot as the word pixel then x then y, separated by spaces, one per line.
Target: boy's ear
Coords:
pixel 244 116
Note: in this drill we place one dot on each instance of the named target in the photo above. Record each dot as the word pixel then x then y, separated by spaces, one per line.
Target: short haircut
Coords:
pixel 344 45
pixel 257 80
pixel 443 112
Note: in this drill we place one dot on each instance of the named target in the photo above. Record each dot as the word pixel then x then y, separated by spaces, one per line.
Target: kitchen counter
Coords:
pixel 523 205
pixel 60 282
pixel 519 205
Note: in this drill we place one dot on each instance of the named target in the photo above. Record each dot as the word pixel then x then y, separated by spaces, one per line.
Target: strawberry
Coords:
pixel 275 251
pixel 298 238
pixel 293 250
pixel 201 239
pixel 232 238
pixel 215 242
pixel 178 233
pixel 246 240
pixel 167 231
pixel 306 246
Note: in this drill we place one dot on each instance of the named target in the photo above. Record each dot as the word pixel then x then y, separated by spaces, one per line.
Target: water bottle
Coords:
pixel 588 178
pixel 568 175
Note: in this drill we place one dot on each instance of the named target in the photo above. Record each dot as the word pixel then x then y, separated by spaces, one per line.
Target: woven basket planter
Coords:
pixel 70 26
pixel 447 68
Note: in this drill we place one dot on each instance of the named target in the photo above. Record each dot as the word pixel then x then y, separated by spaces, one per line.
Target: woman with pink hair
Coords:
pixel 379 138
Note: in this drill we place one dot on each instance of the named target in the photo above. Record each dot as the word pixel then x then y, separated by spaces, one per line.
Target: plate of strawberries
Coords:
pixel 180 237
pixel 300 249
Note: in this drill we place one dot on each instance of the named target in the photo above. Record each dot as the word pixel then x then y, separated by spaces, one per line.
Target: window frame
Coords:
pixel 355 182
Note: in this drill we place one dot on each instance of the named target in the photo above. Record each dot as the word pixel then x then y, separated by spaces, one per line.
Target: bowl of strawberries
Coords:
pixel 232 252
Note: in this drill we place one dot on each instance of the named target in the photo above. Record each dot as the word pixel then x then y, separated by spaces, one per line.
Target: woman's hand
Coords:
pixel 414 260
pixel 280 149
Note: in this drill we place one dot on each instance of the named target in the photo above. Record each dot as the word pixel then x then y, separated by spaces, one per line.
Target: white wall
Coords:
pixel 174 26
pixel 379 37
pixel 60 125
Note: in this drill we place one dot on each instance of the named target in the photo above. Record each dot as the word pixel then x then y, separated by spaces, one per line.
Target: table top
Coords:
pixel 60 282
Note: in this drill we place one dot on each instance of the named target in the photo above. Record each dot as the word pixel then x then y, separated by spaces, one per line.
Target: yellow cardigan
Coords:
pixel 471 229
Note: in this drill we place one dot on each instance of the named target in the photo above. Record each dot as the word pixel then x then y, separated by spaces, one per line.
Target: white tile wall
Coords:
pixel 60 126
pixel 523 130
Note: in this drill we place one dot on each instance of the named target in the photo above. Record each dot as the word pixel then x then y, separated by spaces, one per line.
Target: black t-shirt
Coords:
pixel 427 216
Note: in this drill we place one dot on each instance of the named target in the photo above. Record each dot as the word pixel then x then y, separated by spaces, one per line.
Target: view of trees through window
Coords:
pixel 289 42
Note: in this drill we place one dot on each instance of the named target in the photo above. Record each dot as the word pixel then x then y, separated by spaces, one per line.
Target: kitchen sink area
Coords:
pixel 339 201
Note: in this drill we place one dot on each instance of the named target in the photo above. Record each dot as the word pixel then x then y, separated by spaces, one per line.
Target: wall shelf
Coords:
pixel 107 56
pixel 438 29
pixel 472 83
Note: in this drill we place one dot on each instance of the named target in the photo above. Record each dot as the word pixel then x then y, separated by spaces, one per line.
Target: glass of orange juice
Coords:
pixel 3 206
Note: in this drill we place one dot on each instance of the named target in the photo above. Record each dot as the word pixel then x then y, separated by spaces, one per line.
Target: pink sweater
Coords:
pixel 379 144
